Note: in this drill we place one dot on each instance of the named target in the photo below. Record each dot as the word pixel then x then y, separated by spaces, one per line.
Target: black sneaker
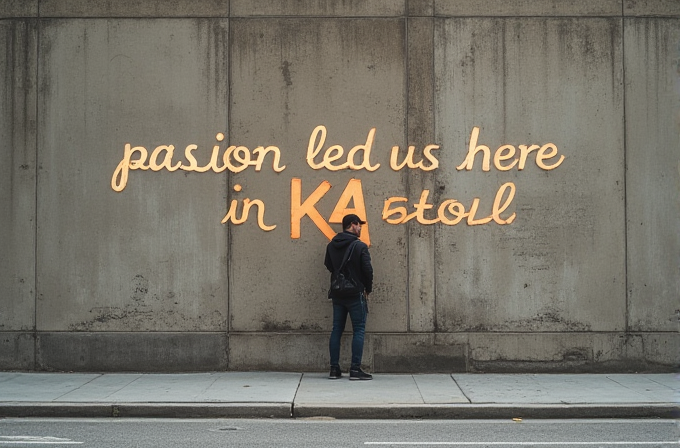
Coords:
pixel 359 374
pixel 335 373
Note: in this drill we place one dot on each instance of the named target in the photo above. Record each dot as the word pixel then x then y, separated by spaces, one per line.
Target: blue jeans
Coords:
pixel 357 311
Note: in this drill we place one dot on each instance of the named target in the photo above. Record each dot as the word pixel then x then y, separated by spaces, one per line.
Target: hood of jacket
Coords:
pixel 342 240
pixel 337 247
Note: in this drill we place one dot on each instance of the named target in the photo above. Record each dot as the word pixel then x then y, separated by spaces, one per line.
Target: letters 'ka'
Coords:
pixel 299 208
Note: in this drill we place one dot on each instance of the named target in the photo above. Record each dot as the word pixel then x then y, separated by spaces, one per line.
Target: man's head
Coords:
pixel 352 224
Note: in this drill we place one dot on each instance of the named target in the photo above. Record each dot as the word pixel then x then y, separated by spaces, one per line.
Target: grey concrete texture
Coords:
pixel 316 389
pixel 612 388
pixel 17 173
pixel 131 351
pixel 138 259
pixel 515 8
pixel 462 352
pixel 132 8
pixel 284 351
pixel 18 8
pixel 424 352
pixel 422 8
pixel 17 350
pixel 584 279
pixel 290 394
pixel 550 8
pixel 653 173
pixel 651 8
pixel 560 266
pixel 420 118
pixel 233 387
pixel 393 352
pixel 570 352
pixel 280 94
pixel 392 8
pixel 255 395
pixel 351 8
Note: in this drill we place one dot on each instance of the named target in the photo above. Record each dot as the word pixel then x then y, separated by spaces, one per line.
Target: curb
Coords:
pixel 489 411
pixel 147 410
pixel 286 410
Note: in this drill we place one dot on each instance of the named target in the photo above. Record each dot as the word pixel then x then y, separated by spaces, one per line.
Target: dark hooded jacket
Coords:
pixel 358 266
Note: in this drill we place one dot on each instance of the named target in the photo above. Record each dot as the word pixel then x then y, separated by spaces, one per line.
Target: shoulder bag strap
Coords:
pixel 348 254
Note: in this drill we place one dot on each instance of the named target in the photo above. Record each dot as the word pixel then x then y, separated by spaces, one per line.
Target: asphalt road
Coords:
pixel 325 433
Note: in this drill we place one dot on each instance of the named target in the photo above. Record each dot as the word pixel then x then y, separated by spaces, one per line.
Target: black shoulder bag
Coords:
pixel 342 284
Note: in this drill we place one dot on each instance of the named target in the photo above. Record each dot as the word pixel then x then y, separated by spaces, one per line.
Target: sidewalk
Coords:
pixel 298 395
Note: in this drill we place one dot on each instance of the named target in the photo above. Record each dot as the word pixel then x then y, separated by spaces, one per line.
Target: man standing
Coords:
pixel 346 244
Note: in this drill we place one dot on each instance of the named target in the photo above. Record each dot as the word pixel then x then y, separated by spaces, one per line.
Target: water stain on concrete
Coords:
pixel 286 326
pixel 147 311
pixel 285 70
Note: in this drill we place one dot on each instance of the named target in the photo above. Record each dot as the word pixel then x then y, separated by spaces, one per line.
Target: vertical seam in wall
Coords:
pixel 407 133
pixel 625 171
pixel 35 222
pixel 230 35
pixel 434 179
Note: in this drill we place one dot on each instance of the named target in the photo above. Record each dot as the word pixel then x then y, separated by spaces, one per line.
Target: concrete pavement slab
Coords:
pixel 169 388
pixel 41 387
pixel 6 376
pixel 317 389
pixel 226 387
pixel 669 380
pixel 558 388
pixel 253 387
pixel 439 389
pixel 664 388
pixel 386 396
pixel 100 389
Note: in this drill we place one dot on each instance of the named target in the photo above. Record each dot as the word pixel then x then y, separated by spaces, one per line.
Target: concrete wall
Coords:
pixel 586 277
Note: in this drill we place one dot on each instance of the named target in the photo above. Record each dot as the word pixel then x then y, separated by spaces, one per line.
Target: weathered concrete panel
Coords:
pixel 560 265
pixel 288 77
pixel 349 8
pixel 481 352
pixel 420 7
pixel 394 353
pixel 152 257
pixel 421 259
pixel 417 353
pixel 132 352
pixel 18 8
pixel 17 174
pixel 285 351
pixel 655 350
pixel 653 172
pixel 17 351
pixel 527 8
pixel 134 8
pixel 573 352
pixel 651 8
